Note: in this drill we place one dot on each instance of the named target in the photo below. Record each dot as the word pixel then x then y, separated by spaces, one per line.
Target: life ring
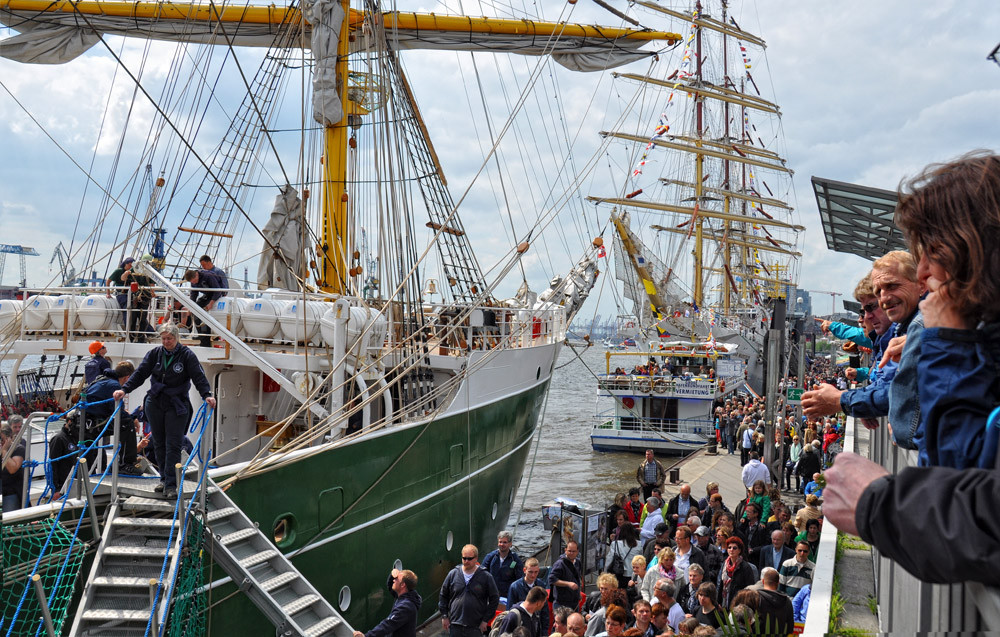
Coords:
pixel 630 325
pixel 645 385
pixel 660 385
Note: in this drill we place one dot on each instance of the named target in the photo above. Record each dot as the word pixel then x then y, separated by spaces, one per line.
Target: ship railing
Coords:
pixel 633 422
pixel 656 386
pixel 455 329
pixel 906 605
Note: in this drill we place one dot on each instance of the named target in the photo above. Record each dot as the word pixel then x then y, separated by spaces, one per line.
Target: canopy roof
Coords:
pixel 857 219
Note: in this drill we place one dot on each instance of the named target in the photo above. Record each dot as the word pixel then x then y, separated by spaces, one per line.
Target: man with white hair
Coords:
pixel 654 516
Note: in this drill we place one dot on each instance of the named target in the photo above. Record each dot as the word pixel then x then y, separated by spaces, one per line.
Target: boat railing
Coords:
pixel 633 422
pixel 657 386
pixel 75 313
pixel 906 605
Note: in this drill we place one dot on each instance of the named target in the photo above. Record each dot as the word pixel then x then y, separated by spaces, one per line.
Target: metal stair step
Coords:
pixel 279 580
pixel 133 522
pixel 141 582
pixel 236 536
pixel 116 615
pixel 137 503
pixel 300 604
pixel 258 558
pixel 324 625
pixel 218 514
pixel 137 551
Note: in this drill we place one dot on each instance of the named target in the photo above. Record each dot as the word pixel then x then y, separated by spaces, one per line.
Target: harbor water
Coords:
pixel 561 462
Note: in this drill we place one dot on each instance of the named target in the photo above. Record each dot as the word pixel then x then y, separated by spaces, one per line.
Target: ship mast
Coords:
pixel 332 249
pixel 725 172
pixel 698 170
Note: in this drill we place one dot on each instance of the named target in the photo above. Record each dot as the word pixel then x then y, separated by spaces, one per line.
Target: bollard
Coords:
pixel 50 628
pixel 85 478
pixel 675 475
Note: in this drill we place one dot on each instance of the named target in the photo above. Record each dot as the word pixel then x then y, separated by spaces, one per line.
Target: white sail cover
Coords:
pixel 326 17
pixel 284 232
pixel 58 37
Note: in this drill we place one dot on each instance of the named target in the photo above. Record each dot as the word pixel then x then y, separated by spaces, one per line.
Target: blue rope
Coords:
pixel 55 523
pixel 992 420
pixel 202 418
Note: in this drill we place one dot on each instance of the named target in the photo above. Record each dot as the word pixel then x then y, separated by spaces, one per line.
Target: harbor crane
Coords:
pixel 66 268
pixel 21 251
pixel 833 299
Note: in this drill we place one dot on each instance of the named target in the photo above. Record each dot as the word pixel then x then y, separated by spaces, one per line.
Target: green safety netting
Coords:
pixel 187 616
pixel 20 547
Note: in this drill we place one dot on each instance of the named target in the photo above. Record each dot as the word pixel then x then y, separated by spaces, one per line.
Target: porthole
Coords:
pixel 538 374
pixel 283 531
pixel 398 565
pixel 344 599
pixel 493 513
pixel 449 541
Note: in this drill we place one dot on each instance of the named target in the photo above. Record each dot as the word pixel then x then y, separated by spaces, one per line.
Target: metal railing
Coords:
pixel 909 606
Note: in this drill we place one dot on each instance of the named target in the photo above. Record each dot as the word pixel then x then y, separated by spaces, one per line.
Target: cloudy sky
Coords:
pixel 870 92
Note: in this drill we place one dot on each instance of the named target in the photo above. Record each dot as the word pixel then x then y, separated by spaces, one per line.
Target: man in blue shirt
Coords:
pixel 504 565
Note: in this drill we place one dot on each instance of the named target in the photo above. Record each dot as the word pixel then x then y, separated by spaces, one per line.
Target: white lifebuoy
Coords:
pixel 645 385
pixel 660 385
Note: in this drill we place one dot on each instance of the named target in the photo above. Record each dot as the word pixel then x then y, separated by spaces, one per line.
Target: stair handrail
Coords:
pixel 81 452
pixel 201 420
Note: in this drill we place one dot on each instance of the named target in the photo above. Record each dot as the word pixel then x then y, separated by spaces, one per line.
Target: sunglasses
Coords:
pixel 868 309
pixel 467 559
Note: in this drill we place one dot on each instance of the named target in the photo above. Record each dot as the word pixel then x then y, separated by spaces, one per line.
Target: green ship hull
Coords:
pixel 437 487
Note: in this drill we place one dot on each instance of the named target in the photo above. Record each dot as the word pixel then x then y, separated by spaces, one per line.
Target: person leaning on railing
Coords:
pixel 944 507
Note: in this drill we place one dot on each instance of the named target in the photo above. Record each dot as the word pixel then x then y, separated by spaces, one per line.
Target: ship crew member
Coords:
pixel 98 364
pixel 138 287
pixel 650 474
pixel 103 389
pixel 503 564
pixel 468 598
pixel 170 368
pixel 207 265
pixel 63 453
pixel 402 620
pixel 212 290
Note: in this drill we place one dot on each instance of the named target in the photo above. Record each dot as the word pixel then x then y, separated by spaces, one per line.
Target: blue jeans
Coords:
pixel 11 502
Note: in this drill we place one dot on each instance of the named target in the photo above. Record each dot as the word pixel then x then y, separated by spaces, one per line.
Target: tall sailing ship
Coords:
pixel 705 241
pixel 377 397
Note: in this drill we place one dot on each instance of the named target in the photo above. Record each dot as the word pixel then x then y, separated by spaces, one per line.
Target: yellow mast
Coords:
pixel 332 250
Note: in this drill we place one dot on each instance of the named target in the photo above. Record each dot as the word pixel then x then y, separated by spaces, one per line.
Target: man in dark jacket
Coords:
pixel 526 614
pixel 171 369
pixel 774 554
pixel 207 288
pixel 402 620
pixel 565 578
pixel 468 598
pixel 503 564
pixel 774 616
pixel 810 462
pixel 101 390
pixel 518 591
pixel 679 506
pixel 98 364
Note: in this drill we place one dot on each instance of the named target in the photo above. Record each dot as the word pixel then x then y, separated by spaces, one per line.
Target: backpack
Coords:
pixel 616 566
pixel 499 620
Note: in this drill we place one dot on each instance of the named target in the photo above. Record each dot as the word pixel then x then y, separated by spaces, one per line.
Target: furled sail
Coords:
pixel 327 17
pixel 283 256
pixel 57 32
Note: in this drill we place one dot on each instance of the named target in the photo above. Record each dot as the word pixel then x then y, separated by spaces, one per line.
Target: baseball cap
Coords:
pixel 703 531
pixel 95 347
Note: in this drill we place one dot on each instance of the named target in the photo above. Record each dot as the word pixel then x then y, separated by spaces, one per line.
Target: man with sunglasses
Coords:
pixel 468 598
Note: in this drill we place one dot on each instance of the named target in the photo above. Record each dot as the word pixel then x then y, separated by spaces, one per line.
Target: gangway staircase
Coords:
pixel 117 598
